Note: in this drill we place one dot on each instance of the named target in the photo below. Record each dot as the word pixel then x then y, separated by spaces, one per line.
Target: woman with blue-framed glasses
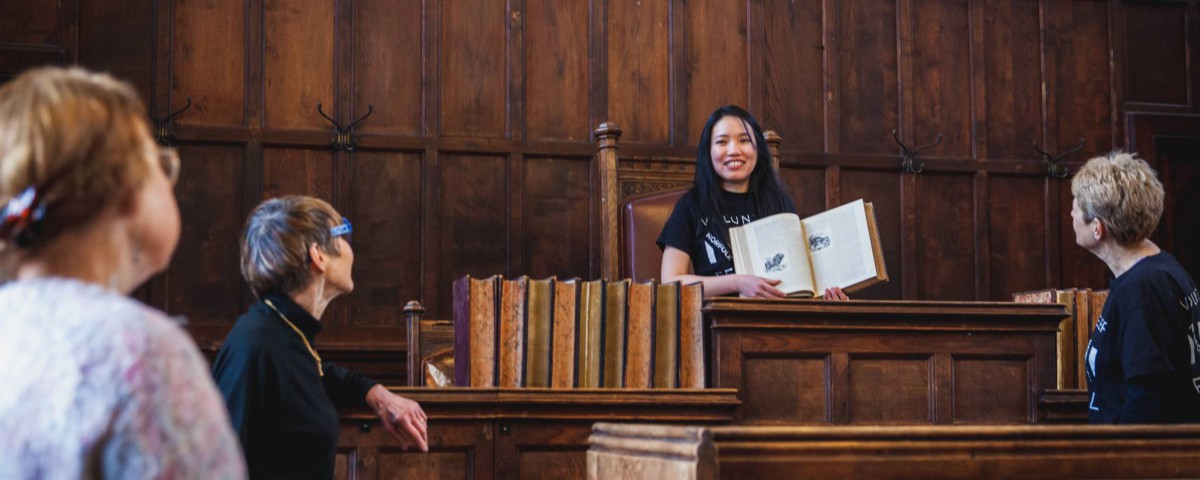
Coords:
pixel 297 258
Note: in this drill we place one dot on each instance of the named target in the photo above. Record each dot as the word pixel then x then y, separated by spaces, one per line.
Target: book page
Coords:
pixel 839 245
pixel 771 248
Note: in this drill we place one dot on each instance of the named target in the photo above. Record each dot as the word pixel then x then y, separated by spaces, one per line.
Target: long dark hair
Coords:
pixel 767 195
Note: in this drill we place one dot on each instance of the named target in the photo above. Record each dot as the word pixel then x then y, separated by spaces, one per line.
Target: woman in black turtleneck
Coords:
pixel 279 392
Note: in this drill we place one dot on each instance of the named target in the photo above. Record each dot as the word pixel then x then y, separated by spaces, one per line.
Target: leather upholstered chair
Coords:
pixel 642 218
pixel 637 195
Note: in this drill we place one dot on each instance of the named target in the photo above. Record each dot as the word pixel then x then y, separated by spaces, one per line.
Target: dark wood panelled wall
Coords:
pixel 475 159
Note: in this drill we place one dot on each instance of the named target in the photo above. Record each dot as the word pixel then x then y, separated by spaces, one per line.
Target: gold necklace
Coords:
pixel 320 371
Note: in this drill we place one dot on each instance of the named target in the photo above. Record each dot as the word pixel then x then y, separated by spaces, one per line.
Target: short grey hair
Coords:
pixel 276 240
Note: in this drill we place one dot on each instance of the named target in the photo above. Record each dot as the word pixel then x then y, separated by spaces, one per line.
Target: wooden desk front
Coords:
pixel 513 433
pixel 883 362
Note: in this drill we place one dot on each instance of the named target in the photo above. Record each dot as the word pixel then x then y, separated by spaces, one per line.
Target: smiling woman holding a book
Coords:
pixel 734 185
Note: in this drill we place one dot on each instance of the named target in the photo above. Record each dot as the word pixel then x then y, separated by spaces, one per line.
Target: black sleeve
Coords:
pixel 245 377
pixel 680 229
pixel 1145 397
pixel 346 387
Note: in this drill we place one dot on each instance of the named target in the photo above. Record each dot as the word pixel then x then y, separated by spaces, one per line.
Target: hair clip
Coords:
pixel 344 229
pixel 21 211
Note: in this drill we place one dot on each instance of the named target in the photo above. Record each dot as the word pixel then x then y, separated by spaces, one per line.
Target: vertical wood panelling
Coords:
pixel 118 37
pixel 1178 232
pixel 639 98
pixel 866 84
pixel 204 280
pixel 794 85
pixel 807 186
pixel 832 77
pixel 472 219
pixel 298 63
pixel 555 217
pixel 474 82
pixel 1012 74
pixel 208 61
pixel 883 190
pixel 388 65
pixel 1080 87
pixel 385 209
pixel 1017 235
pixel 297 171
pixel 945 237
pixel 1157 42
pixel 941 73
pixel 30 22
pixel 717 66
pixel 556 70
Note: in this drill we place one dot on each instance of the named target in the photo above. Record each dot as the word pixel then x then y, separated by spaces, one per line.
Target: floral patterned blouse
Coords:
pixel 96 385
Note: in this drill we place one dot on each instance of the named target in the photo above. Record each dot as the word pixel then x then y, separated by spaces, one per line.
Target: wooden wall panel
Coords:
pixel 715 64
pixel 866 78
pixel 1078 77
pixel 940 101
pixel 1178 231
pixel 556 217
pixel 30 22
pixel 807 186
pixel 945 237
pixel 388 66
pixel 491 104
pixel 637 83
pixel 298 63
pixel 208 61
pixel 1012 65
pixel 883 190
pixel 204 279
pixel 385 209
pixel 14 60
pixel 472 221
pixel 794 51
pixel 297 171
pixel 556 71
pixel 1156 36
pixel 1017 235
pixel 474 78
pixel 118 37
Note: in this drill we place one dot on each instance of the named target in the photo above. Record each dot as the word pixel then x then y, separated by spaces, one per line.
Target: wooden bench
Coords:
pixel 655 452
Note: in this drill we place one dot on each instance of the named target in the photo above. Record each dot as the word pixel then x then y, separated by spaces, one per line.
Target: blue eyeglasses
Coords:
pixel 344 229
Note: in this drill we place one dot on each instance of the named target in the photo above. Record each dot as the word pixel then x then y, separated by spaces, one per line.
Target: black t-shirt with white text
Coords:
pixel 1143 362
pixel 705 238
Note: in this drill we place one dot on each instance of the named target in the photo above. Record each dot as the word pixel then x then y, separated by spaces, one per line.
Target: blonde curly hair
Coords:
pixel 1123 192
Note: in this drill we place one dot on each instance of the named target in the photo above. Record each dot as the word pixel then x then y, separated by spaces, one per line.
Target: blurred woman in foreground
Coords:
pixel 94 383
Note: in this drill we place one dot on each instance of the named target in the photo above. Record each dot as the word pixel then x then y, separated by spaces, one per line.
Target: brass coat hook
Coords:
pixel 342 140
pixel 908 156
pixel 1055 169
pixel 162 126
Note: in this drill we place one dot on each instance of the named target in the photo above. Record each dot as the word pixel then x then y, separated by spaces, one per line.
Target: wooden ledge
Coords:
pixel 802 314
pixel 632 405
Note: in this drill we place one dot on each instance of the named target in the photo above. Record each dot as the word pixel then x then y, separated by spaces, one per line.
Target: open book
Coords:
pixel 835 248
